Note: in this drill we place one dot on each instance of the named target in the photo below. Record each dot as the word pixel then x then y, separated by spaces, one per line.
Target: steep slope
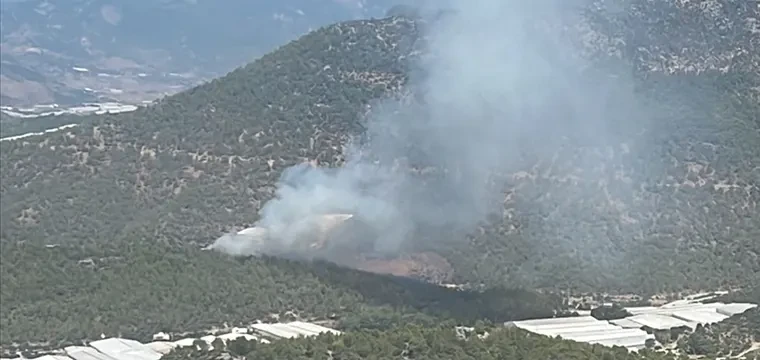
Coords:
pixel 671 204
pixel 126 176
pixel 679 36
pixel 43 41
pixel 691 221
pixel 236 130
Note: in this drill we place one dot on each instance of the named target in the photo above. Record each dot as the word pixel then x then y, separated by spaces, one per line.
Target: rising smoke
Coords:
pixel 502 84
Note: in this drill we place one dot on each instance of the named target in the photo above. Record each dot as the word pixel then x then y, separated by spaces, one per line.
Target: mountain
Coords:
pixel 665 200
pixel 131 51
pixel 128 256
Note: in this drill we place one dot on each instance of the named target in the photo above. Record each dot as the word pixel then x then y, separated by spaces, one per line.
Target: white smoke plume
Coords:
pixel 501 82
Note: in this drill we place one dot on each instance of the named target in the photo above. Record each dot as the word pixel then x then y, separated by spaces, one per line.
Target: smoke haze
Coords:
pixel 503 83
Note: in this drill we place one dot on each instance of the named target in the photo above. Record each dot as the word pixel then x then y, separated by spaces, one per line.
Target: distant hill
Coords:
pixel 669 202
pixel 169 44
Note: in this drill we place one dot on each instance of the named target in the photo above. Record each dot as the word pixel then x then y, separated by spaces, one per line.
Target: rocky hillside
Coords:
pixel 142 49
pixel 679 36
pixel 670 203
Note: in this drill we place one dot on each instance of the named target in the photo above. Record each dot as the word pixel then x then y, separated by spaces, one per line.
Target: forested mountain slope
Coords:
pixel 125 176
pixel 234 135
pixel 54 296
pixel 200 162
pixel 671 204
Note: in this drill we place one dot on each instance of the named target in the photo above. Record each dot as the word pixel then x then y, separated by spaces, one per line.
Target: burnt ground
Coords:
pixel 426 266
